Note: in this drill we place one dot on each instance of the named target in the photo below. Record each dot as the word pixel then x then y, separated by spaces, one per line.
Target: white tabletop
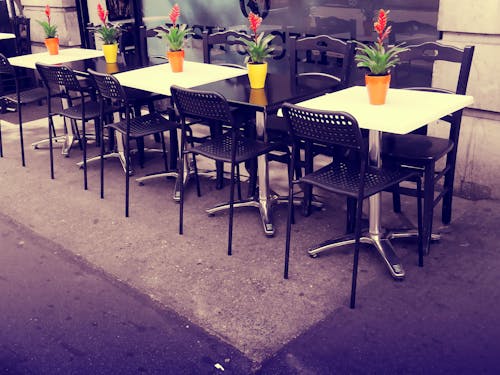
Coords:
pixel 6 36
pixel 65 55
pixel 403 112
pixel 159 78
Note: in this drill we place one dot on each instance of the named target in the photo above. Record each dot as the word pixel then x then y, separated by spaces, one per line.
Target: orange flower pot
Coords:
pixel 377 88
pixel 176 60
pixel 52 45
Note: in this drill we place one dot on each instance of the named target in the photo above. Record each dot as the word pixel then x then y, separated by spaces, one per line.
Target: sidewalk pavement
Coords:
pixel 442 318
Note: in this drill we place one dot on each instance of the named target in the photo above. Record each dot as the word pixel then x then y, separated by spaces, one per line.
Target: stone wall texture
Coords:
pixel 472 22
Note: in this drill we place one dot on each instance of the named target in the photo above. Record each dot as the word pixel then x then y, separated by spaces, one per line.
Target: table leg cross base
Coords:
pixel 381 243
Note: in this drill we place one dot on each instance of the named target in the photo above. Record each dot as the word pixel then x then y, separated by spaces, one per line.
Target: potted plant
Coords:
pixel 258 50
pixel 378 59
pixel 175 36
pixel 51 39
pixel 109 35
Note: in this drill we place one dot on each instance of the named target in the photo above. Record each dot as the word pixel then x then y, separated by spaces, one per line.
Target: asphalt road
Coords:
pixel 60 316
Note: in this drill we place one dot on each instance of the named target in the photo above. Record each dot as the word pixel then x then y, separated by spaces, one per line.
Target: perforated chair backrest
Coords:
pixel 205 105
pixel 326 127
pixel 225 40
pixel 435 51
pixel 59 75
pixel 321 45
pixel 108 86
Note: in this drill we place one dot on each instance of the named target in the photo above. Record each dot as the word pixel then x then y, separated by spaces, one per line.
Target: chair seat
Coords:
pixel 145 125
pixel 220 148
pixel 415 147
pixel 28 96
pixel 343 178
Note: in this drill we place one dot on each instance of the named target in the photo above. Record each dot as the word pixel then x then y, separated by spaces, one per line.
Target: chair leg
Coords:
pixel 357 233
pixel 238 178
pixel 231 210
pixel 84 146
pixel 181 190
pixel 350 215
pixel 164 149
pixel 140 150
pixel 21 137
pixel 288 228
pixel 127 175
pixel 196 176
pixel 51 151
pixel 97 130
pixel 428 206
pixel 102 160
pixel 396 200
pixel 448 196
pixel 419 223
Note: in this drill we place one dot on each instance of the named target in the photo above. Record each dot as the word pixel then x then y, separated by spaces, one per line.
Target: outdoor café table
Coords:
pixel 403 112
pixel 233 84
pixel 65 56
pixel 4 36
pixel 278 89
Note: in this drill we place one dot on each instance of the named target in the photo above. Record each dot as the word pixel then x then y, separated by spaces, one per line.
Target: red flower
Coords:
pixel 255 21
pixel 380 26
pixel 175 13
pixel 47 12
pixel 103 14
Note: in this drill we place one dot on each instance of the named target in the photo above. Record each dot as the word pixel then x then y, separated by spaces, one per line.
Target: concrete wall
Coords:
pixel 476 23
pixel 63 14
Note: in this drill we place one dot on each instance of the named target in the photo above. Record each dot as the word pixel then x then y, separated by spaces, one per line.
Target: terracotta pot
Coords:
pixel 257 75
pixel 377 88
pixel 110 53
pixel 176 60
pixel 52 45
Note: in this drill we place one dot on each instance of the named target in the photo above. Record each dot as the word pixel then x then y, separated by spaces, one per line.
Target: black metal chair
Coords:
pixel 423 152
pixel 352 177
pixel 60 79
pixel 131 127
pixel 315 59
pixel 227 48
pixel 19 98
pixel 229 147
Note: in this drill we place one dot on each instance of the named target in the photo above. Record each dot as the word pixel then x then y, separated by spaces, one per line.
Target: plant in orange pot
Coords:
pixel 378 59
pixel 109 35
pixel 258 50
pixel 51 39
pixel 175 36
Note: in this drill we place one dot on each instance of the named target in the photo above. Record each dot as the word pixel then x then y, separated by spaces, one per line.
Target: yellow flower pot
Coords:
pixel 257 75
pixel 110 52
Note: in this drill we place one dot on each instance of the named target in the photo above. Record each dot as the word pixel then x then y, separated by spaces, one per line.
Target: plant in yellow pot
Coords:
pixel 51 39
pixel 175 36
pixel 378 59
pixel 109 35
pixel 258 50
